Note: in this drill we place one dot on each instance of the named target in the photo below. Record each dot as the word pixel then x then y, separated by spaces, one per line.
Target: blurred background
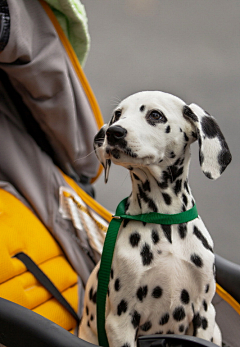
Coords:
pixel 190 49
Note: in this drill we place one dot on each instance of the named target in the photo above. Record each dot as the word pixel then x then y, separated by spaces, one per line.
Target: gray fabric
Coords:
pixel 32 175
pixel 229 322
pixel 40 71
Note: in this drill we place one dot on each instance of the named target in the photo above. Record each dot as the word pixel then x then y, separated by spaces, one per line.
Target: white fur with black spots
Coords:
pixel 162 279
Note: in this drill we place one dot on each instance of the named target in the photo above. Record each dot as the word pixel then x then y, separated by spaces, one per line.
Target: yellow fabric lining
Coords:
pixel 78 69
pixel 228 298
pixel 22 231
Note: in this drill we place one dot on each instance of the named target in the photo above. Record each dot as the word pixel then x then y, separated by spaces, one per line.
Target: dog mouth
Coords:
pixel 116 152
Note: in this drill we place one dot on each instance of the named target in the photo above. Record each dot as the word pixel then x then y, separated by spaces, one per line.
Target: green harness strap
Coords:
pixel 108 249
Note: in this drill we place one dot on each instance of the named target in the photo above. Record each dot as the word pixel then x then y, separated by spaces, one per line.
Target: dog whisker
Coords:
pixel 115 101
pixel 86 156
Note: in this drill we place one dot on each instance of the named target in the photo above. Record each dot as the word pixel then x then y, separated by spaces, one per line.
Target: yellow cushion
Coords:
pixel 21 231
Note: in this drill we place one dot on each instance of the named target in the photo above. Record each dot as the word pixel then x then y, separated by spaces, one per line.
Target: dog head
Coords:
pixel 156 128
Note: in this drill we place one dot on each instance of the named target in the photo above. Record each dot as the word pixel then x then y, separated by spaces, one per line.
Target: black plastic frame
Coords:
pixel 172 341
pixel 22 327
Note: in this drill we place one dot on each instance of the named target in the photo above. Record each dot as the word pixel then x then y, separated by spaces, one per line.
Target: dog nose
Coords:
pixel 115 133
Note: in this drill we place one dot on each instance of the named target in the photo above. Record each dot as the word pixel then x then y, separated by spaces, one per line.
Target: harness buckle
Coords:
pixel 116 217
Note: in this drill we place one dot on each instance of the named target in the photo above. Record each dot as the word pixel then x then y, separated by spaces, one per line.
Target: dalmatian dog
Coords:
pixel 163 276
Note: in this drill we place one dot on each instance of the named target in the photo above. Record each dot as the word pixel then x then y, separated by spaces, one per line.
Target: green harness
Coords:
pixel 108 249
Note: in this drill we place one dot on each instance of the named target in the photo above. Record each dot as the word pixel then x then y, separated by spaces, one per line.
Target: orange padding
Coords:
pixel 21 231
pixel 78 69
pixel 228 298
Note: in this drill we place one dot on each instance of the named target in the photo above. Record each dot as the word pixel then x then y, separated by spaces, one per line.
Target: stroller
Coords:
pixel 52 230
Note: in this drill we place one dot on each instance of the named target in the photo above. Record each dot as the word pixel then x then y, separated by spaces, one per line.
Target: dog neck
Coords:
pixel 161 188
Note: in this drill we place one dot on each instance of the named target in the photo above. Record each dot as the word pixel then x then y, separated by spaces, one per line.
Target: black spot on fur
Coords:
pixel 92 317
pixel 90 294
pixel 201 157
pixel 125 222
pixel 122 307
pixel 117 284
pixel 178 186
pixel 112 273
pixel 139 201
pixel 126 345
pixel 142 108
pixel 159 332
pixel 127 205
pixel 188 113
pixel 208 175
pixel 224 158
pixel 193 309
pixel 164 319
pixel 210 127
pixel 207 288
pixel 204 323
pixel 128 151
pixel 197 322
pixel 175 172
pixel 144 223
pixel 169 332
pixel 183 208
pixel 186 187
pixel 168 129
pixel 179 313
pixel 167 198
pixel 134 239
pixel 205 306
pixel 146 255
pixel 136 319
pixel 181 328
pixel 172 155
pixel 186 138
pixel 182 230
pixel 157 292
pixel 146 326
pixel 185 200
pixel 87 310
pixel 163 185
pixel 167 229
pixel 166 176
pixel 177 162
pixel 147 200
pixel 155 236
pixel 185 298
pixel 200 236
pixel 136 177
pixel 115 153
pixel 194 135
pixel 142 293
pixel 146 186
pixel 196 260
pixel 88 324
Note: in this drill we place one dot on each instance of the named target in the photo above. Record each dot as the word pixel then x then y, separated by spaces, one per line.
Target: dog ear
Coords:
pixel 214 154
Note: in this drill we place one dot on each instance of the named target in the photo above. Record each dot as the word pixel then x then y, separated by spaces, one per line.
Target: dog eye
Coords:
pixel 156 116
pixel 117 114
